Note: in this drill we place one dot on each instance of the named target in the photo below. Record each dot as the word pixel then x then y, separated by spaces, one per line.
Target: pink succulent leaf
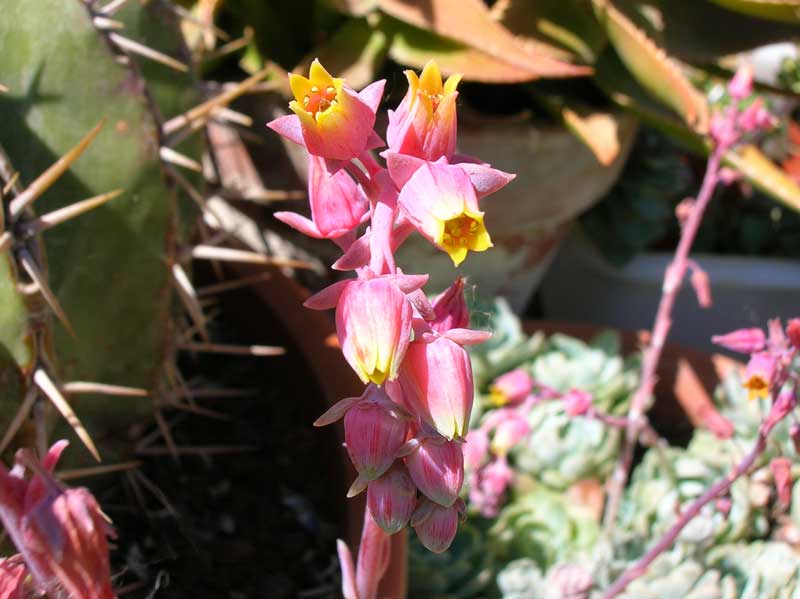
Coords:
pixel 348 570
pixel 467 336
pixel 486 179
pixel 289 127
pixel 372 94
pixel 421 304
pixel 299 223
pixel 327 298
pixel 743 341
pixel 336 411
pixel 356 256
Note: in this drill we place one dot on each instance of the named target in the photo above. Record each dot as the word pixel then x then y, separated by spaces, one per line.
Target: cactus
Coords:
pixel 108 276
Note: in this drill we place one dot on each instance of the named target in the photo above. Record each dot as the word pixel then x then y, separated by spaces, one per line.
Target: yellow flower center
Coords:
pixel 318 100
pixel 496 397
pixel 756 387
pixel 459 231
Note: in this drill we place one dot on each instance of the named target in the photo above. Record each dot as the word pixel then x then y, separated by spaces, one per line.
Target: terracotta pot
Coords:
pixel 557 179
pixel 313 334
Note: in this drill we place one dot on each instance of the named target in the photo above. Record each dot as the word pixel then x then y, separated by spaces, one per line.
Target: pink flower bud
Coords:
pixel 577 402
pixel 741 85
pixel 13 579
pixel 781 469
pixel 760 374
pixel 436 525
pixel 450 309
pixel 440 201
pixel 437 468
pixel 785 403
pixel 373 323
pixel 391 499
pixel 793 332
pixel 510 388
pixel 330 119
pixel 373 434
pixel 510 431
pixel 424 124
pixel 436 379
pixel 743 341
pixel 476 449
pixel 724 505
pixel 337 204
pixel 756 117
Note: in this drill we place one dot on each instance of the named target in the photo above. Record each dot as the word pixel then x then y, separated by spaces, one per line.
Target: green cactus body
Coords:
pixel 109 268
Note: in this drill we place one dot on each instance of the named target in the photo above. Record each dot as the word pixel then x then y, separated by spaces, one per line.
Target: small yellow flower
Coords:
pixel 428 86
pixel 318 97
pixel 462 233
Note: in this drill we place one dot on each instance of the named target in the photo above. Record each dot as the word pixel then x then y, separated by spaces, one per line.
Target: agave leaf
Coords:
pixel 756 168
pixel 787 11
pixel 567 23
pixel 651 66
pixel 468 25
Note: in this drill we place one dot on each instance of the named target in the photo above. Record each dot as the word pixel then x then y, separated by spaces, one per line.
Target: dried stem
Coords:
pixel 673 279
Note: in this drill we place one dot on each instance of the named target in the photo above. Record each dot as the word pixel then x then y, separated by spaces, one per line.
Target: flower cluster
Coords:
pixel 61 534
pixel 404 434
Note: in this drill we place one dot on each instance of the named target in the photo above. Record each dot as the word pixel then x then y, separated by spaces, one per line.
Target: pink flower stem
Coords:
pixel 719 488
pixel 673 279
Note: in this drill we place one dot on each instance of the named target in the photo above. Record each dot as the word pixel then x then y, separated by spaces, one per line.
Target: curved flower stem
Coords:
pixel 719 488
pixel 673 279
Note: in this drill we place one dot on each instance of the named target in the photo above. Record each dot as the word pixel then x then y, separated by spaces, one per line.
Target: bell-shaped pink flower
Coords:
pixel 61 533
pixel 436 379
pixel 391 499
pixel 373 323
pixel 373 434
pixel 743 341
pixel 436 525
pixel 330 119
pixel 450 308
pixel 337 204
pixel 13 579
pixel 424 124
pixel 511 387
pixel 437 468
pixel 439 200
pixel 760 374
pixel 756 117
pixel 741 85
